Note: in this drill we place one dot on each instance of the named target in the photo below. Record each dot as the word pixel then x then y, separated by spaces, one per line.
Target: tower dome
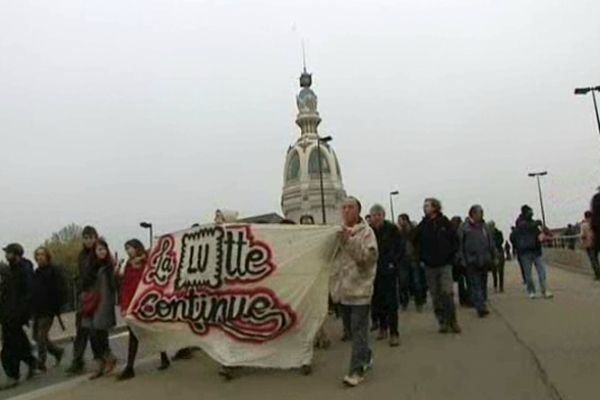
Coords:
pixel 305 159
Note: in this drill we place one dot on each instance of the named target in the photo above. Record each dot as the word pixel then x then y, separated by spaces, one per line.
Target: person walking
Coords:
pixel 85 262
pixel 391 253
pixel 587 243
pixel 498 266
pixel 417 284
pixel 98 308
pixel 513 242
pixel 508 251
pixel 132 275
pixel 529 248
pixel 437 244
pixel 351 284
pixel 477 250
pixel 49 295
pixel 15 312
pixel 459 273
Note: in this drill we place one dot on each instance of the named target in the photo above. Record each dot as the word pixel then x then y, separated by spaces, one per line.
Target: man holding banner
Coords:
pixel 352 278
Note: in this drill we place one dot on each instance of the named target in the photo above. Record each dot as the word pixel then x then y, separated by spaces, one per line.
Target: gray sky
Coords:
pixel 112 112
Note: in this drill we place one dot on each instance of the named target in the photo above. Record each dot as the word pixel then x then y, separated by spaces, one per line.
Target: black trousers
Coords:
pixel 15 348
pixel 498 274
pixel 81 340
pixel 385 303
pixel 99 343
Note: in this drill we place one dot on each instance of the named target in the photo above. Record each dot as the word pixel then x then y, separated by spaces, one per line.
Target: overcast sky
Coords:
pixel 113 112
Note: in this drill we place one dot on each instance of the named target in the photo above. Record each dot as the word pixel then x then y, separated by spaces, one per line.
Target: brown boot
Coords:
pixel 99 371
pixel 383 334
pixel 454 327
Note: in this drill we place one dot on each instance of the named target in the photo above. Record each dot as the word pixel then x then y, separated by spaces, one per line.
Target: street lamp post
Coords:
pixel 583 91
pixel 148 225
pixel 537 175
pixel 392 194
pixel 325 139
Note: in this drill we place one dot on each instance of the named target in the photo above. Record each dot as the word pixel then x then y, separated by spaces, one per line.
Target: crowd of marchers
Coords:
pixel 379 267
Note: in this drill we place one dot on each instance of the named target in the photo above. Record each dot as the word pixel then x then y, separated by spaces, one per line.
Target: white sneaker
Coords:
pixel 353 379
pixel 548 294
pixel 533 296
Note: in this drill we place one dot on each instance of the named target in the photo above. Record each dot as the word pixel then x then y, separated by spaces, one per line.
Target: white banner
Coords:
pixel 248 295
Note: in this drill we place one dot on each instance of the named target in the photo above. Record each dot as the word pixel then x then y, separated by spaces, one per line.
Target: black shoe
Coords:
pixel 444 328
pixel 127 373
pixel 164 364
pixel 483 313
pixel 306 370
pixel 76 368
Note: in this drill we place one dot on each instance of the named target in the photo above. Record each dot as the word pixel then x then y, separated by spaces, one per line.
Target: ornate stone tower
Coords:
pixel 302 186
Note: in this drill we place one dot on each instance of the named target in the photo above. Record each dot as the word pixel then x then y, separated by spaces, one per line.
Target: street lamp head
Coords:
pixel 582 90
pixel 325 139
pixel 146 225
pixel 394 193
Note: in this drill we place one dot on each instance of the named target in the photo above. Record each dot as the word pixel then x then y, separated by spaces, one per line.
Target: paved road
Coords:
pixel 541 349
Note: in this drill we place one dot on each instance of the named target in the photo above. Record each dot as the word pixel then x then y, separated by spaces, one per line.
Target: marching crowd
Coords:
pixel 380 267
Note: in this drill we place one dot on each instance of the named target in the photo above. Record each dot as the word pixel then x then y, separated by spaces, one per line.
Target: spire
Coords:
pixel 305 77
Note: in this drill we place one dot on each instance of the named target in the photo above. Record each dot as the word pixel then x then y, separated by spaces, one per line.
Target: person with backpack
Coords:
pixel 529 248
pixel 15 312
pixel 48 299
pixel 478 254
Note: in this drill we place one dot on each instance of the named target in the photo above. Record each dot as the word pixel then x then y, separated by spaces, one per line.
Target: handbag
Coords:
pixel 89 303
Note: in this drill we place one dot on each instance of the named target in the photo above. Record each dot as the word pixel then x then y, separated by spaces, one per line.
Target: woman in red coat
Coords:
pixel 132 275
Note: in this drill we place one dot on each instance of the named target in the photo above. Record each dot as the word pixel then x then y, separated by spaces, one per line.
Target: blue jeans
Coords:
pixel 478 286
pixel 529 260
pixel 359 329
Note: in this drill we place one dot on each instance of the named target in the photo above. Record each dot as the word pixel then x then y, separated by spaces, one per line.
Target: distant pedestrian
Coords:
pixel 49 295
pixel 513 242
pixel 478 252
pixel 529 247
pixel 459 272
pixel 437 244
pixel 498 266
pixel 391 253
pixel 132 275
pixel 15 312
pixel 587 243
pixel 98 310
pixel 417 284
pixel 351 284
pixel 85 262
pixel 508 250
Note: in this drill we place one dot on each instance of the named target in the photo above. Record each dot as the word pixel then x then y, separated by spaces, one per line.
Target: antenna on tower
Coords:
pixel 303 56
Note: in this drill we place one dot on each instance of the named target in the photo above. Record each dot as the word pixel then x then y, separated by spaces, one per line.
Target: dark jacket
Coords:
pixel 595 224
pixel 15 297
pixel 526 236
pixel 477 247
pixel 498 240
pixel 392 249
pixel 436 241
pixel 87 273
pixel 48 291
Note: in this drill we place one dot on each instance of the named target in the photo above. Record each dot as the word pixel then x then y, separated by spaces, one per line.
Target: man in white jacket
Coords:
pixel 352 278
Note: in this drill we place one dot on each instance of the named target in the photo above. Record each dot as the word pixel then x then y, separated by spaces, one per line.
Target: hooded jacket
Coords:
pixel 354 267
pixel 476 244
pixel 526 235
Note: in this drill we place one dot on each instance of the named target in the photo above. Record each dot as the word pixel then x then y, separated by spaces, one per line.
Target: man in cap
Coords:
pixel 15 312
